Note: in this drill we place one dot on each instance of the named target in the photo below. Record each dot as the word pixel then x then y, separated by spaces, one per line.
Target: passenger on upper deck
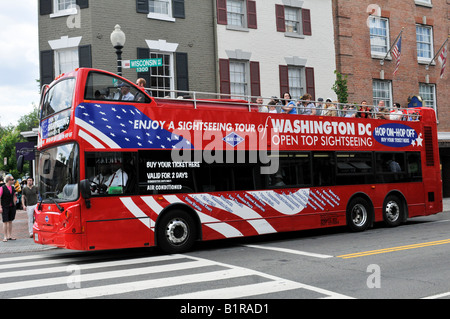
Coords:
pixel 396 114
pixel 364 111
pixel 288 105
pixel 308 107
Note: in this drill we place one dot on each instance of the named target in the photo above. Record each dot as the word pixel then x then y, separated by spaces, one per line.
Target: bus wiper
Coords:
pixel 54 201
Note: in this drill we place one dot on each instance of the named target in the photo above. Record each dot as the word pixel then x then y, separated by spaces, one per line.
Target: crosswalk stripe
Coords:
pixel 125 262
pixel 240 291
pixel 125 280
pixel 83 278
pixel 106 290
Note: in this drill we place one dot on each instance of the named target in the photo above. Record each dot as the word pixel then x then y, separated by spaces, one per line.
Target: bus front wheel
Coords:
pixel 358 214
pixel 176 232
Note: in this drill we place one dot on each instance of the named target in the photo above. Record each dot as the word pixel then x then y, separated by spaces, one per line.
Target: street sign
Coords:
pixel 142 65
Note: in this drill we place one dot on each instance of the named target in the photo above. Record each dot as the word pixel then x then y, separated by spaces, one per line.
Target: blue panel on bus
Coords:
pixel 124 126
pixel 395 135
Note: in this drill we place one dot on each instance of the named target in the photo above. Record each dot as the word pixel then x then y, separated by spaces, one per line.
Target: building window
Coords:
pixel 161 78
pixel 379 36
pixel 238 79
pixel 236 13
pixel 66 60
pixel 382 91
pixel 424 37
pixel 159 6
pixel 428 94
pixel 292 20
pixel 296 81
pixel 63 8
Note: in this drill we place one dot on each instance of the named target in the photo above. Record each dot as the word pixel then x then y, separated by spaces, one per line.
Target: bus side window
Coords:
pixel 324 169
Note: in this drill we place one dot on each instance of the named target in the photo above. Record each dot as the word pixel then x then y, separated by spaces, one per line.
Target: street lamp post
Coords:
pixel 118 41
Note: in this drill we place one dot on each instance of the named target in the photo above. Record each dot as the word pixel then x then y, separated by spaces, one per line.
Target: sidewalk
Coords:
pixel 26 244
pixel 20 231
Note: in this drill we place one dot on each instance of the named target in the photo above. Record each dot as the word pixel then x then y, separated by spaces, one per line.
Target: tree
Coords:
pixel 340 87
pixel 10 135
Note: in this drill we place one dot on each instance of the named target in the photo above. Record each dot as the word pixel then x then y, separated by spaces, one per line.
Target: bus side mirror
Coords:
pixel 20 163
pixel 86 191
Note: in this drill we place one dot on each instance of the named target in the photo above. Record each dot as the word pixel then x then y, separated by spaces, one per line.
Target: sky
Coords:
pixel 19 59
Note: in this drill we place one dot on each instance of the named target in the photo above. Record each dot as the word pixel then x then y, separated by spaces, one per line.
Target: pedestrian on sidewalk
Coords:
pixel 8 198
pixel 29 202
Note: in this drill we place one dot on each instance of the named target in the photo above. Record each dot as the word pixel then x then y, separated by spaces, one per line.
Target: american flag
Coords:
pixel 443 59
pixel 123 126
pixel 396 53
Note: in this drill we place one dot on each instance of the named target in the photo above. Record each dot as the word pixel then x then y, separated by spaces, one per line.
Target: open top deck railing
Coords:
pixel 303 107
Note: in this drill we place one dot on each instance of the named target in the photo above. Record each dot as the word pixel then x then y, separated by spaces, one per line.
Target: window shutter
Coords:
pixel 182 71
pixel 224 70
pixel 45 7
pixel 85 56
pixel 255 82
pixel 142 6
pixel 251 15
pixel 222 12
pixel 144 53
pixel 83 4
pixel 279 11
pixel 306 21
pixel 310 87
pixel 178 9
pixel 284 80
pixel 47 67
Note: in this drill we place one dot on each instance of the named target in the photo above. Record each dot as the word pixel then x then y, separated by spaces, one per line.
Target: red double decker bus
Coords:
pixel 119 168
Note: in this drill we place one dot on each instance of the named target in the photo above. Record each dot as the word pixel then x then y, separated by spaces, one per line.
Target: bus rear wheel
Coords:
pixel 358 214
pixel 176 232
pixel 393 211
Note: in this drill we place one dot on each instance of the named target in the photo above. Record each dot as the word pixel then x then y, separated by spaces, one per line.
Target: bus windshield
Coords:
pixel 58 98
pixel 59 173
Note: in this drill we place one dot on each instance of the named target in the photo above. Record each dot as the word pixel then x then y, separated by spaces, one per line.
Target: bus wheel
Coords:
pixel 176 232
pixel 393 211
pixel 358 214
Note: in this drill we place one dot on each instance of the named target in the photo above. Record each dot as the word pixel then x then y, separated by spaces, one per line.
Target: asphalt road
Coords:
pixel 410 261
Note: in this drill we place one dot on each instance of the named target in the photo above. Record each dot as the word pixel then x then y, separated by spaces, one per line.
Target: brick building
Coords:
pixel 366 30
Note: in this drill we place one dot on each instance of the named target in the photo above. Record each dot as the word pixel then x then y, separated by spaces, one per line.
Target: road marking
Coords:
pixel 290 251
pixel 115 281
pixel 445 294
pixel 392 249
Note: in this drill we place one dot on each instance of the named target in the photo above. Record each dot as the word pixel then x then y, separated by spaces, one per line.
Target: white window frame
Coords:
pixel 72 9
pixel 425 60
pixel 162 16
pixel 63 44
pixel 238 67
pixel 429 102
pixel 242 14
pixel 377 21
pixel 299 20
pixel 297 81
pixel 75 62
pixel 171 76
pixel 383 86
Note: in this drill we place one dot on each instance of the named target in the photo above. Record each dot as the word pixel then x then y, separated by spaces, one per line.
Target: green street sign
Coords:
pixel 142 65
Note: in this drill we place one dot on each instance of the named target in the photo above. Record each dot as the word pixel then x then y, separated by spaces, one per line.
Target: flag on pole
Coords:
pixel 396 53
pixel 443 59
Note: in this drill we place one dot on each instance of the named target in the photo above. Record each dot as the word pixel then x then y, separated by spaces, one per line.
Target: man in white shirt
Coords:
pixel 118 179
pixel 126 95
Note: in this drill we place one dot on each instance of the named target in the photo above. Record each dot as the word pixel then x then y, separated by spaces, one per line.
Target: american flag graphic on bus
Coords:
pixel 124 126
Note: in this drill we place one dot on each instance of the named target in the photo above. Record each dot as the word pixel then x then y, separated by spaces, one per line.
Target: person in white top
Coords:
pixel 126 95
pixel 119 178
